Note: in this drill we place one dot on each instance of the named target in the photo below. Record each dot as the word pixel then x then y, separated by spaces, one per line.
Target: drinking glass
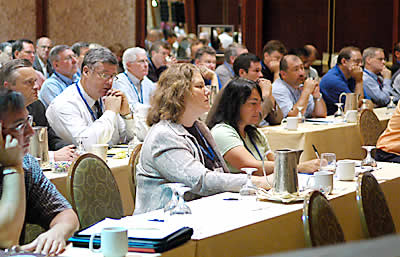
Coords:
pixel 174 196
pixel 181 208
pixel 391 106
pixel 369 160
pixel 249 188
pixel 328 162
pixel 300 114
pixel 80 149
pixel 339 113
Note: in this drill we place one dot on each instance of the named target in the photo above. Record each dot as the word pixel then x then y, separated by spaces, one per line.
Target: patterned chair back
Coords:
pixel 133 161
pixel 321 226
pixel 370 127
pixel 92 189
pixel 376 219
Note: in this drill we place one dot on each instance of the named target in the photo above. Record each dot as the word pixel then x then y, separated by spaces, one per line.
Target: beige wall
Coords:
pixel 17 19
pixel 102 21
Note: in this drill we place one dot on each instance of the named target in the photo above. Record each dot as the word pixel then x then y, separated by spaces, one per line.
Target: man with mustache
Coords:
pixel 292 90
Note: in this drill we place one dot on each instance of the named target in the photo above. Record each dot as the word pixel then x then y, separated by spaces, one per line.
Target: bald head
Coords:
pixel 43 46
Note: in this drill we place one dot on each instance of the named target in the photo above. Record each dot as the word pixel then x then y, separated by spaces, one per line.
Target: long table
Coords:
pixel 343 139
pixel 121 171
pixel 246 227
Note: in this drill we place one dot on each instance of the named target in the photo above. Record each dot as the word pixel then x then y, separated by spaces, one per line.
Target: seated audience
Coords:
pixel 27 196
pixel 346 76
pixel 233 127
pixel 24 49
pixel 376 77
pixel 178 147
pixel 388 148
pixel 293 90
pixel 18 75
pixel 65 65
pixel 157 59
pixel 225 71
pixel 273 52
pixel 91 108
pixel 41 62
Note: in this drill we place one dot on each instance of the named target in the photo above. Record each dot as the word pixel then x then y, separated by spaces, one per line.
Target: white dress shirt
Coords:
pixel 69 116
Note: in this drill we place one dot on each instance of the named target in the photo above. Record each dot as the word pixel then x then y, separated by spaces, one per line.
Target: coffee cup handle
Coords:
pixel 91 243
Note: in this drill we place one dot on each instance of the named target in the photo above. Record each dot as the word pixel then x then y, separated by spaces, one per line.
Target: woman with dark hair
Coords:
pixel 180 148
pixel 233 128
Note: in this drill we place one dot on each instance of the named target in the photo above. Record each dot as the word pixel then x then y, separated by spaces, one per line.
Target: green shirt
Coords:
pixel 228 138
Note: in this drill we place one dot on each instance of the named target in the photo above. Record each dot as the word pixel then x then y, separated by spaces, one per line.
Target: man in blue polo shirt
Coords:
pixel 65 65
pixel 346 76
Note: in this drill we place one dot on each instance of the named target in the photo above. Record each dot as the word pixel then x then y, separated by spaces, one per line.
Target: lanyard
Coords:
pixel 372 76
pixel 262 65
pixel 140 97
pixel 87 105
pixel 255 146
pixel 229 68
pixel 210 153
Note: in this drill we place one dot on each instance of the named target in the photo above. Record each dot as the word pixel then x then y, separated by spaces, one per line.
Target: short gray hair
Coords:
pixel 130 55
pixel 55 51
pixel 95 55
pixel 232 50
pixel 370 52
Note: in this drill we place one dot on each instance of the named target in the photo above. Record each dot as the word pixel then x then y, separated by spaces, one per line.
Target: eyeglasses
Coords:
pixel 104 76
pixel 19 128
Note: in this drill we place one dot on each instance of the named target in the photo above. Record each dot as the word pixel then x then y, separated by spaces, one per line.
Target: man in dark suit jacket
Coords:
pixel 24 81
pixel 41 63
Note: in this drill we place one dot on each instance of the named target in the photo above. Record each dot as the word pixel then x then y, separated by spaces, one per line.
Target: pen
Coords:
pixel 315 150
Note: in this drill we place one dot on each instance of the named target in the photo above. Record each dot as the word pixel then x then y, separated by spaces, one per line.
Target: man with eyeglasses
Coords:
pixel 18 75
pixel 346 76
pixel 65 65
pixel 376 77
pixel 137 87
pixel 41 63
pixel 133 82
pixel 24 49
pixel 91 109
pixel 27 196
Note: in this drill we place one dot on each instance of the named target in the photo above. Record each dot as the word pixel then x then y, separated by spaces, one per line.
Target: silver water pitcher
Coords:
pixel 286 161
pixel 351 102
pixel 39 146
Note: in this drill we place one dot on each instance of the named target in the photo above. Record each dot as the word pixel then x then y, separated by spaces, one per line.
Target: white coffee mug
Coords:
pixel 351 116
pixel 99 150
pixel 291 123
pixel 113 242
pixel 323 181
pixel 345 170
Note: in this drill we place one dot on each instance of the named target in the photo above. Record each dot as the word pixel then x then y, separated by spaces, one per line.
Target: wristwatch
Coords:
pixel 8 171
pixel 128 116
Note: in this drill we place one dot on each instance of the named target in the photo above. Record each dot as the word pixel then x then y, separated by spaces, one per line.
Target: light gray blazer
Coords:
pixel 171 154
